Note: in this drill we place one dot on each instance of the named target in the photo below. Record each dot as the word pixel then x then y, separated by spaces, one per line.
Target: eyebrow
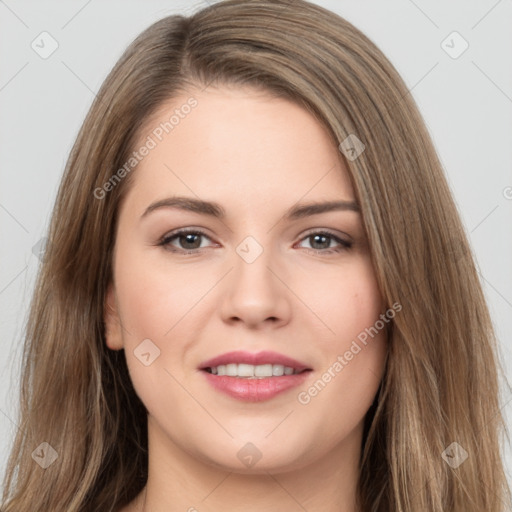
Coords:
pixel 216 210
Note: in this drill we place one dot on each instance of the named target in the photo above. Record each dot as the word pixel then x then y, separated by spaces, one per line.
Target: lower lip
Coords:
pixel 255 390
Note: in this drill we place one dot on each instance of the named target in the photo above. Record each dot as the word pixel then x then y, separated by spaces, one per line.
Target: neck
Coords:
pixel 178 481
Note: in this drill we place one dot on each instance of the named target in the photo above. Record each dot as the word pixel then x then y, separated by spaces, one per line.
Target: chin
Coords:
pixel 259 455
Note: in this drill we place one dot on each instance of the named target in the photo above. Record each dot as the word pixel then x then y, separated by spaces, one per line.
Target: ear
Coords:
pixel 113 329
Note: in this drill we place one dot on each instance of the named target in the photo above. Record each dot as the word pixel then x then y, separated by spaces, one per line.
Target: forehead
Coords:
pixel 242 144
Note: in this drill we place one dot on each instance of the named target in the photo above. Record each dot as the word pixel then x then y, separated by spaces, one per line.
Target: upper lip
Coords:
pixel 258 358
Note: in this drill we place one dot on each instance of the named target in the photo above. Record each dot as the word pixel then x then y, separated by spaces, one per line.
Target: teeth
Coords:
pixel 252 372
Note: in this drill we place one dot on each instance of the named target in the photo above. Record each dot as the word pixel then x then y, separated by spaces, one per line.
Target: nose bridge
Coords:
pixel 252 262
pixel 254 293
pixel 250 250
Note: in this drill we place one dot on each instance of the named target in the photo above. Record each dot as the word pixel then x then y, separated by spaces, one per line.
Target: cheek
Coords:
pixel 365 302
pixel 154 305
pixel 153 298
pixel 354 355
pixel 148 306
pixel 350 302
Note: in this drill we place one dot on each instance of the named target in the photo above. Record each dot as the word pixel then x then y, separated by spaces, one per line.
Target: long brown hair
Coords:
pixel 441 381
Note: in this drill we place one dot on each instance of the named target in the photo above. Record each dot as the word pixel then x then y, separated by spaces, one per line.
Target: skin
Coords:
pixel 257 156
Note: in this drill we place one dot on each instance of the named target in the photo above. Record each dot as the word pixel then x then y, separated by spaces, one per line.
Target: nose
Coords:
pixel 255 293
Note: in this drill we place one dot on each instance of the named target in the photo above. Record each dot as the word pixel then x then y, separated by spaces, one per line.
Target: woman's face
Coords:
pixel 256 279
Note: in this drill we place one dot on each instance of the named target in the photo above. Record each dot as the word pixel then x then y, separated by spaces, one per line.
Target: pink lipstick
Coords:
pixel 254 377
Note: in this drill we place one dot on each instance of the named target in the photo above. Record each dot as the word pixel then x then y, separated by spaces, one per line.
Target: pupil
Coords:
pixel 315 237
pixel 187 238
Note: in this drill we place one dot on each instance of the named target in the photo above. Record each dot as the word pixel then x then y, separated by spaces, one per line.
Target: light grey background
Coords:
pixel 466 102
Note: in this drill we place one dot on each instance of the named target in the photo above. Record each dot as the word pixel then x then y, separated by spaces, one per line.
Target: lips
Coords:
pixel 255 389
pixel 255 359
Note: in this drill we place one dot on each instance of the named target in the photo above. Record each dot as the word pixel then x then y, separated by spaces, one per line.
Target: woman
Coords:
pixel 186 351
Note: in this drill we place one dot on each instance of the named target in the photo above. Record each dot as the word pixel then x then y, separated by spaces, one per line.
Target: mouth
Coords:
pixel 250 371
pixel 254 377
pixel 251 365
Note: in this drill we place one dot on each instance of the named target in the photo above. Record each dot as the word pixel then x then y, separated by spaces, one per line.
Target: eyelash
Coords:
pixel 165 242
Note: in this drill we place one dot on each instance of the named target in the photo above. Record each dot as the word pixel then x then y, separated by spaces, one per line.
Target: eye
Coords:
pixel 323 239
pixel 190 241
